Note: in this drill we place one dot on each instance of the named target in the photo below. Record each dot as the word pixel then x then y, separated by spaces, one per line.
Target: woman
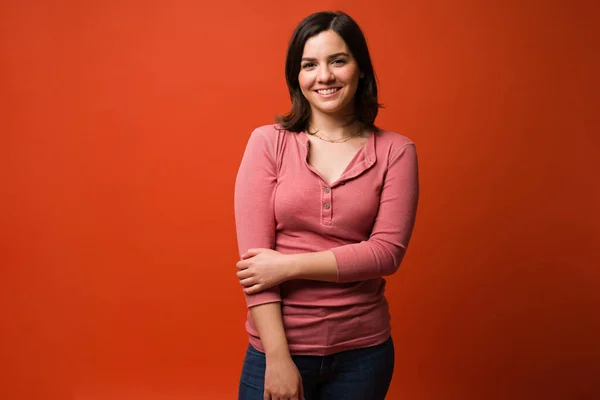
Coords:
pixel 325 204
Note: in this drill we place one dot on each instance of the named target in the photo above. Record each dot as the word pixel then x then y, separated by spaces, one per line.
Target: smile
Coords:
pixel 327 91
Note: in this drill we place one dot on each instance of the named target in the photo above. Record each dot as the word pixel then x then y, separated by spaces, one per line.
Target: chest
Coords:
pixel 328 191
pixel 331 160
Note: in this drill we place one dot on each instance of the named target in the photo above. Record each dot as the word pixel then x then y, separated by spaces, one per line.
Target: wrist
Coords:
pixel 276 356
pixel 293 267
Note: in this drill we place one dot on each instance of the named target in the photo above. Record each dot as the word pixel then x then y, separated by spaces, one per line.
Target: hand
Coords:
pixel 261 269
pixel 282 380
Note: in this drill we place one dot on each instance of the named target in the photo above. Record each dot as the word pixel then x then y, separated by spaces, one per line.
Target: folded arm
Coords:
pixel 383 252
pixel 255 226
pixel 378 256
pixel 253 205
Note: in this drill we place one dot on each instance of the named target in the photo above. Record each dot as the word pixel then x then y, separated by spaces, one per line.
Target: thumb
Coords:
pixel 251 253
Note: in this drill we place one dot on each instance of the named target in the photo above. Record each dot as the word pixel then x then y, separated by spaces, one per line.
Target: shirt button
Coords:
pixel 327 206
pixel 327 190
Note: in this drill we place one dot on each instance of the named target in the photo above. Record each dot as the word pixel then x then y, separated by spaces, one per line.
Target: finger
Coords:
pixel 247 282
pixel 252 289
pixel 296 397
pixel 266 395
pixel 252 252
pixel 243 274
pixel 242 264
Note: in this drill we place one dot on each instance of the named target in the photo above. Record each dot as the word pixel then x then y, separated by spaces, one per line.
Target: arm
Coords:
pixel 282 379
pixel 378 256
pixel 269 324
pixel 253 205
pixel 255 226
pixel 265 268
pixel 383 252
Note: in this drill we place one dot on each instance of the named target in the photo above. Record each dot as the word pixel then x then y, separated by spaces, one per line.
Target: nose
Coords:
pixel 325 75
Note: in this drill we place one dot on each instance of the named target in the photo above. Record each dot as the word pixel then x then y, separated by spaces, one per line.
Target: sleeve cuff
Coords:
pixel 271 295
pixel 348 262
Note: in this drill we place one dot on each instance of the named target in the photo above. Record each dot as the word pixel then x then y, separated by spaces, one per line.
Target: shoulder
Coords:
pixel 271 137
pixel 272 134
pixel 391 144
pixel 392 139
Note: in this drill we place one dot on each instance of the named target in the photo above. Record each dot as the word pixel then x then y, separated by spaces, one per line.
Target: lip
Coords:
pixel 330 94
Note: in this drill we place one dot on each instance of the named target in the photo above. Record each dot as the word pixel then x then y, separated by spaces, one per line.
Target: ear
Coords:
pixel 362 75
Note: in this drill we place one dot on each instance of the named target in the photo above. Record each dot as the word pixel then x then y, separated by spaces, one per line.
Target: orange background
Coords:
pixel 122 126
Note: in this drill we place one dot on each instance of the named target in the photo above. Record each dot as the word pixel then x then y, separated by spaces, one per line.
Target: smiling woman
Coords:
pixel 325 205
pixel 329 74
pixel 329 51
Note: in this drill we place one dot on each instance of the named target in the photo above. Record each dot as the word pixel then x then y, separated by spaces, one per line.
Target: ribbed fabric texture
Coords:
pixel 365 218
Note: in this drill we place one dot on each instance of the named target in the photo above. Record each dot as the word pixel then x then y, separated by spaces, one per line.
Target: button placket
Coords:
pixel 326 206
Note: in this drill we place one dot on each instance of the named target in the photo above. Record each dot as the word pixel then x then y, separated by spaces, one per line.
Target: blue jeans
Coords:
pixel 359 374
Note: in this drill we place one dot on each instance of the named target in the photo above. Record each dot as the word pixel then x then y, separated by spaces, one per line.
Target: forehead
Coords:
pixel 323 44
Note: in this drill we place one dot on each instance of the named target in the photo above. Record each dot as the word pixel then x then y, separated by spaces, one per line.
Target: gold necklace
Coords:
pixel 342 140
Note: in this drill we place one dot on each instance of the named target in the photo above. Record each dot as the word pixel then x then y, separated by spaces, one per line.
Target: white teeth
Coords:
pixel 327 91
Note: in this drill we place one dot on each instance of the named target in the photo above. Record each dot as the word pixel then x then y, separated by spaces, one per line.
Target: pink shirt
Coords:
pixel 366 218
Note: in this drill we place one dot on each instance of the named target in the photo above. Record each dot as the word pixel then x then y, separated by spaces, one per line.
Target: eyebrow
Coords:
pixel 329 57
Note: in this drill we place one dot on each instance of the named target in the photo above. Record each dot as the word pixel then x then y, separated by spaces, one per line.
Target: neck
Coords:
pixel 332 127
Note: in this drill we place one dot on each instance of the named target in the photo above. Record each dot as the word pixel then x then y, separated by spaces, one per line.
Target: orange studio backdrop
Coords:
pixel 122 124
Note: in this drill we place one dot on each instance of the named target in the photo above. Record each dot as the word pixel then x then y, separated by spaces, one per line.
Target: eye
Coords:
pixel 339 61
pixel 308 65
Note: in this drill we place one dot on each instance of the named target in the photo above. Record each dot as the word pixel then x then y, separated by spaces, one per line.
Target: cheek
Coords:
pixel 305 82
pixel 351 82
pixel 349 77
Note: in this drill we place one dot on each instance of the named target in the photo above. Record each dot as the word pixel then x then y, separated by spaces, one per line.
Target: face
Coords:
pixel 328 74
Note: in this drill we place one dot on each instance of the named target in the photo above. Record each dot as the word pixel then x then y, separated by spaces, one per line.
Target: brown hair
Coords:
pixel 366 104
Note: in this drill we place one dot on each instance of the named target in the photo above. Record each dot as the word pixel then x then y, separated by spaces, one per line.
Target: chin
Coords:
pixel 331 110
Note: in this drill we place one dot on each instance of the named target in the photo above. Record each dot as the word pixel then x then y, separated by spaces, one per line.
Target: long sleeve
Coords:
pixel 382 253
pixel 253 204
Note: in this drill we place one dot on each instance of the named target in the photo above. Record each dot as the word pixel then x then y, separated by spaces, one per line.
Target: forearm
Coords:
pixel 381 254
pixel 370 259
pixel 317 266
pixel 362 261
pixel 269 323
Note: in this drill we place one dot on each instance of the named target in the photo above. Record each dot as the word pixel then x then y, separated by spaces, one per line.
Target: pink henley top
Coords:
pixel 365 218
